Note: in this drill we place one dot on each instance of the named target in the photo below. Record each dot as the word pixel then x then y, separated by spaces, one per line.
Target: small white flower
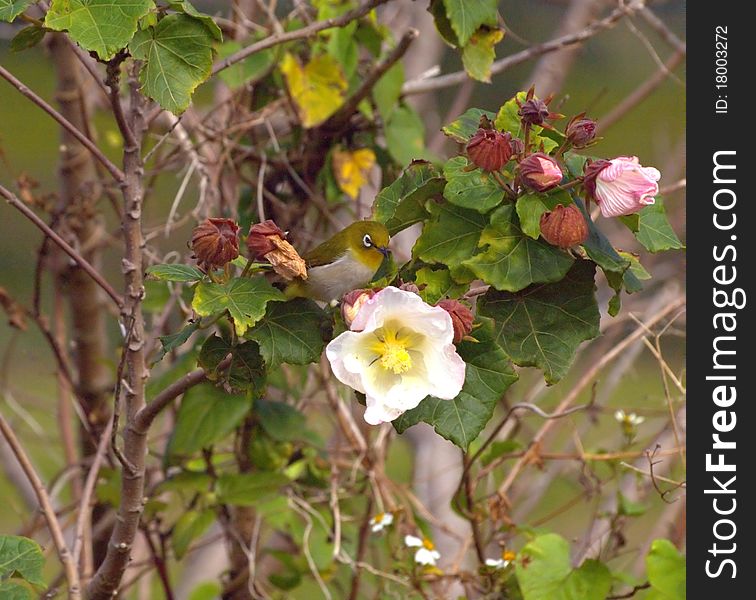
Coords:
pixel 426 553
pixel 501 563
pixel 399 351
pixel 381 520
pixel 632 419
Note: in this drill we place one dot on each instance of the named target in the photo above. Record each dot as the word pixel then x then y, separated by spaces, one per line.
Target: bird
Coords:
pixel 347 261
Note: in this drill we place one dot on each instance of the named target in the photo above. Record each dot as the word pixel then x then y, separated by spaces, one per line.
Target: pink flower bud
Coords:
pixel 461 316
pixel 352 302
pixel 215 242
pixel 580 132
pixel 489 149
pixel 621 186
pixel 540 172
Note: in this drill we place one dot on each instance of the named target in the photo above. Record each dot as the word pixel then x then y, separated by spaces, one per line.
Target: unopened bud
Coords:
pixel 352 302
pixel 490 149
pixel 581 132
pixel 534 111
pixel 564 226
pixel 267 241
pixel 215 242
pixel 540 172
pixel 259 239
pixel 461 316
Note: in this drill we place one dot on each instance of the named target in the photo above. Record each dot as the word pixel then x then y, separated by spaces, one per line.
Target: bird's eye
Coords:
pixel 367 240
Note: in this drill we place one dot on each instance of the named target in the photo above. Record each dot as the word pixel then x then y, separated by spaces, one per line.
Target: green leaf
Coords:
pixel 189 526
pixel 405 135
pixel 466 16
pixel 470 187
pixel 174 272
pixel 247 489
pixel 291 332
pixel 654 231
pixel 598 247
pixel 10 590
pixel 178 55
pixel 544 572
pixel 666 570
pixel 185 7
pixel 497 449
pixel 507 119
pixel 207 414
pixel 249 70
pixel 246 372
pixel 27 38
pixel 543 325
pixel 532 206
pixel 437 284
pixel 282 422
pixel 465 126
pixel 627 507
pixel 488 375
pixel 245 300
pixel 402 203
pixel 388 90
pixel 10 9
pixel 344 48
pixel 101 26
pixel 512 261
pixel 478 54
pixel 21 557
pixel 443 25
pixel 175 340
pixel 209 590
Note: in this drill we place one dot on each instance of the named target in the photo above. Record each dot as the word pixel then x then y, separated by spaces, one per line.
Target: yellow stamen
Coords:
pixel 378 518
pixel 391 348
pixel 508 555
pixel 428 544
pixel 395 358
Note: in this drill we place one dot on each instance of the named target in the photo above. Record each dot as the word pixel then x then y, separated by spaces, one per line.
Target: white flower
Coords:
pixel 381 520
pixel 399 351
pixel 501 563
pixel 632 419
pixel 426 553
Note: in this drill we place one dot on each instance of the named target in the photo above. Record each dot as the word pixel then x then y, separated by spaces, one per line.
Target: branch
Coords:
pixel 11 198
pixel 65 123
pixel 443 81
pixel 72 575
pixel 661 28
pixel 298 34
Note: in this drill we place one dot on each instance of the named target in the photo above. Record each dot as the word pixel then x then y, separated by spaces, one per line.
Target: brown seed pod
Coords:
pixel 564 226
pixel 215 242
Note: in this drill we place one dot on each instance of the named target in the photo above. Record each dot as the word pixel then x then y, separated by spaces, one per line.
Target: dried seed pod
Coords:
pixel 564 226
pixel 215 242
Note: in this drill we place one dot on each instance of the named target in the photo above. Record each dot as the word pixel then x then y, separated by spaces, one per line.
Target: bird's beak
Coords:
pixel 385 250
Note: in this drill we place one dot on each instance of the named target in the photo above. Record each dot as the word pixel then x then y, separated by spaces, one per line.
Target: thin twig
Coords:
pixel 13 200
pixel 72 574
pixel 661 28
pixel 297 34
pixel 117 174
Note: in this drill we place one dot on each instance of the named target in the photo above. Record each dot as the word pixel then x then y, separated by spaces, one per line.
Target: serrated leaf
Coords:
pixel 317 88
pixel 464 127
pixel 654 231
pixel 21 557
pixel 470 187
pixel 188 9
pixel 101 26
pixel 388 90
pixel 175 340
pixel 247 489
pixel 10 9
pixel 544 572
pixel 437 284
pixel 478 54
pixel 531 207
pixel 249 70
pixel 511 260
pixel 543 325
pixel 488 375
pixel 10 590
pixel 174 272
pixel 450 237
pixel 291 332
pixel 207 414
pixel 244 299
pixel 178 55
pixel 666 570
pixel 402 203
pixel 405 135
pixel 598 247
pixel 245 372
pixel 189 526
pixel 27 38
pixel 351 169
pixel 466 16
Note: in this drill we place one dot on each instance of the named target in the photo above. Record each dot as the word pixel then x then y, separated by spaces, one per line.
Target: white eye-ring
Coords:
pixel 367 240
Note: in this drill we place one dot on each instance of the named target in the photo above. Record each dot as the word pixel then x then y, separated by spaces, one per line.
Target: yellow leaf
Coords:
pixel 317 88
pixel 351 169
